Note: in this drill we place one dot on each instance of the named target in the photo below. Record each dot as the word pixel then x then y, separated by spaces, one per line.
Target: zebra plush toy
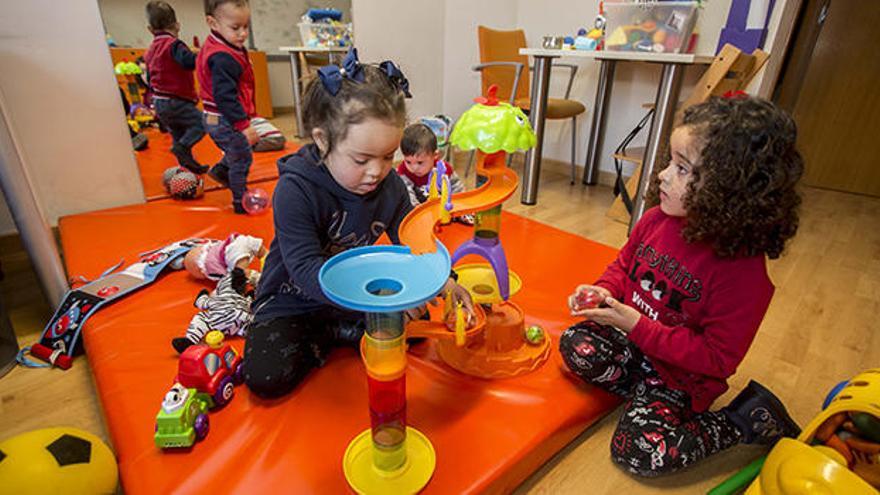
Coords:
pixel 227 309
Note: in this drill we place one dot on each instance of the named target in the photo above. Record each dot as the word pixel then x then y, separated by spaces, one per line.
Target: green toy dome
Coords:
pixel 491 126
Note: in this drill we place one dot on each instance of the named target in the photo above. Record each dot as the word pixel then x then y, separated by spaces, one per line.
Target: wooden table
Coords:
pixel 667 95
pixel 296 73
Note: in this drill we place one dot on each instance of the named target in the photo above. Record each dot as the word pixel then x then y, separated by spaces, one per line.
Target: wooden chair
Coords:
pixel 731 70
pixel 501 64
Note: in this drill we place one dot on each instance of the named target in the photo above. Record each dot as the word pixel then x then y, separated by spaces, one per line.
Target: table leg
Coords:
pixel 532 172
pixel 597 131
pixel 658 137
pixel 297 93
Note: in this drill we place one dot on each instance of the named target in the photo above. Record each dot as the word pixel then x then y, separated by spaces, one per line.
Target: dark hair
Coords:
pixel 418 138
pixel 160 15
pixel 742 198
pixel 211 6
pixel 376 97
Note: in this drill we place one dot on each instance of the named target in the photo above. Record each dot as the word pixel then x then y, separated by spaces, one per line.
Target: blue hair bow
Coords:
pixel 332 76
pixel 395 75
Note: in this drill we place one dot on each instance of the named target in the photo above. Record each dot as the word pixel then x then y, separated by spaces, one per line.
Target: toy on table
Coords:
pixel 255 201
pixel 215 258
pixel 594 38
pixel 322 28
pixel 59 342
pixel 837 452
pixel 206 375
pixel 57 460
pixel 226 309
pixel 655 28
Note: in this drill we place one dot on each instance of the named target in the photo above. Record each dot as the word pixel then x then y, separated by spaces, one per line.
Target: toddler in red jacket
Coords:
pixel 674 315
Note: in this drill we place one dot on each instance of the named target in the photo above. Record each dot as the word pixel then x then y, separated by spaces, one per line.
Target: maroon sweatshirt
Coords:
pixel 226 81
pixel 700 312
pixel 170 66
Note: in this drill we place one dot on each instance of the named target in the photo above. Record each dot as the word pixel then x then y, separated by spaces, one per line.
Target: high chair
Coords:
pixel 731 70
pixel 502 65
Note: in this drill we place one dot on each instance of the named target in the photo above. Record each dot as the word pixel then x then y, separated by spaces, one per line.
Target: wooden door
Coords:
pixel 837 106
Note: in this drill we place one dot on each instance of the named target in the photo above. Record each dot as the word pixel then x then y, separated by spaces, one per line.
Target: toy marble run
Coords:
pixel 383 281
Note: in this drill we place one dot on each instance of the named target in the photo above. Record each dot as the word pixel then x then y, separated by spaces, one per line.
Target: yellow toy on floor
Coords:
pixel 57 460
pixel 798 466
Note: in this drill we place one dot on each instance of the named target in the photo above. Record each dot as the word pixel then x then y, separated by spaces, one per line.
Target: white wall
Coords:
pixel 126 21
pixel 460 84
pixel 409 32
pixel 64 108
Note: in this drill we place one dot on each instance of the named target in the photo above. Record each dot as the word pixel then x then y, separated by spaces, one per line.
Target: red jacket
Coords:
pixel 700 312
pixel 226 81
pixel 169 75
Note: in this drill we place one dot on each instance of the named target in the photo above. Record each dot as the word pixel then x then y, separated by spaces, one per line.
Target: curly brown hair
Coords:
pixel 743 198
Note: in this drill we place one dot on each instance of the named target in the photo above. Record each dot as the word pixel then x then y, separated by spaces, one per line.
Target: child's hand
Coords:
pixel 460 294
pixel 251 135
pixel 616 314
pixel 414 313
pixel 587 297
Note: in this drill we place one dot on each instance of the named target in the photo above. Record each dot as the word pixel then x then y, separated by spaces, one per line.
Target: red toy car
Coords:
pixel 211 368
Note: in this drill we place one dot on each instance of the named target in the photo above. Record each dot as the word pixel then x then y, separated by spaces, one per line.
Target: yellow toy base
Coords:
pixel 365 478
pixel 479 280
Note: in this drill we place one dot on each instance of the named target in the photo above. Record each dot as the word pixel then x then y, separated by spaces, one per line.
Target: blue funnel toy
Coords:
pixel 384 278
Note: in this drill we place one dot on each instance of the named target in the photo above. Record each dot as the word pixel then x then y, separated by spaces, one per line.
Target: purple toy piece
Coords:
pixel 201 426
pixel 491 250
pixel 224 392
pixel 448 204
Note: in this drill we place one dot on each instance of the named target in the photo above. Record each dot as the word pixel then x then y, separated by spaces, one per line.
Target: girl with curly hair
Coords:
pixel 683 301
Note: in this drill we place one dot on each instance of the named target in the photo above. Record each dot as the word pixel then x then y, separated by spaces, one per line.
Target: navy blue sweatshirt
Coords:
pixel 316 218
pixel 225 73
pixel 183 56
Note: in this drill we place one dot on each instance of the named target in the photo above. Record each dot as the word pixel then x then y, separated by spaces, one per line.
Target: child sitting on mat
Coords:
pixel 420 155
pixel 332 195
pixel 687 293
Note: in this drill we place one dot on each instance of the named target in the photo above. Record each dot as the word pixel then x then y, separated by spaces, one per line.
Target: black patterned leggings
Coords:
pixel 658 432
pixel 279 353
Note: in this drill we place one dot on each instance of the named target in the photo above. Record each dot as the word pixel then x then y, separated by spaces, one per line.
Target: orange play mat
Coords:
pixel 157 157
pixel 489 435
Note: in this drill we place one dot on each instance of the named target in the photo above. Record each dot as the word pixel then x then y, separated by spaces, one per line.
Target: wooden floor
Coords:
pixel 820 329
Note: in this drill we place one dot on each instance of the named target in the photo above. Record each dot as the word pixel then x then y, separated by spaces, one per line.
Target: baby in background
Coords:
pixel 420 155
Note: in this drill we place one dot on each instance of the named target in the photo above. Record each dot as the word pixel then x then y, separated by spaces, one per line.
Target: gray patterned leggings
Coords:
pixel 658 432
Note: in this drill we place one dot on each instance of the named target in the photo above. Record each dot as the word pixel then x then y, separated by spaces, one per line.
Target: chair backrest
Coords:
pixel 732 70
pixel 503 46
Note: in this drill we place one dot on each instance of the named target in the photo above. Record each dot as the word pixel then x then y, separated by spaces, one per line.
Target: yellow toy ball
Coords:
pixel 60 460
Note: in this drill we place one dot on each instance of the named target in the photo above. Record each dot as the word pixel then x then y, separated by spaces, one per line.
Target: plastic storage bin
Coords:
pixel 316 34
pixel 660 27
